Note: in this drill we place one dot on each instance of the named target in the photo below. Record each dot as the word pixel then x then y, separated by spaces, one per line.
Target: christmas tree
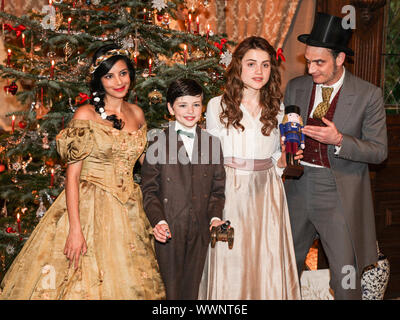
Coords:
pixel 49 54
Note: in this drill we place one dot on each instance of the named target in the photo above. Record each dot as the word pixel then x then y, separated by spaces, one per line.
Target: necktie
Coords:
pixel 185 133
pixel 323 107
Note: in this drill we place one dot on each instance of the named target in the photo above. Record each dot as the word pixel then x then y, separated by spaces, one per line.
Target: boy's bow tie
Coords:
pixel 185 133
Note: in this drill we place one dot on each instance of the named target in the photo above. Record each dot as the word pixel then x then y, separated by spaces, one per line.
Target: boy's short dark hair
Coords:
pixel 183 87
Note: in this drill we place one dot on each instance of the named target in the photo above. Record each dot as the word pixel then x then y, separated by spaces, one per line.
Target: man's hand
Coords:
pixel 327 135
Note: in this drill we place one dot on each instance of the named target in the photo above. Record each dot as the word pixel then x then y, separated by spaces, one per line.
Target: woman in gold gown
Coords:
pixel 95 241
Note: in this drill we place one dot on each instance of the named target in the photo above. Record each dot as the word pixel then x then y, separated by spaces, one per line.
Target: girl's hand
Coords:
pixel 299 155
pixel 282 160
pixel 75 246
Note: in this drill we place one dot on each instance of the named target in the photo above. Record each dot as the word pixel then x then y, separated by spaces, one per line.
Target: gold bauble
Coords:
pixel 155 97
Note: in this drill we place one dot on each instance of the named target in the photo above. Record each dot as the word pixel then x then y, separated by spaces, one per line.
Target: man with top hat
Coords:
pixel 345 128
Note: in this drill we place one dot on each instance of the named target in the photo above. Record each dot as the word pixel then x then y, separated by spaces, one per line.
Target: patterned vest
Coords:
pixel 316 152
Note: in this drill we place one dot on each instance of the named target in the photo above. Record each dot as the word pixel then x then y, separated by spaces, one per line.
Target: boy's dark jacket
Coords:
pixel 197 187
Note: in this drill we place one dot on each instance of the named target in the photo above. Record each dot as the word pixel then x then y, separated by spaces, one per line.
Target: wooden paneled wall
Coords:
pixel 366 41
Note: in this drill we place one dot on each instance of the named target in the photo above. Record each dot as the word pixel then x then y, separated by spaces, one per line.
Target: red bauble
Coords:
pixel 22 124
pixel 10 230
pixel 2 167
pixel 159 17
pixel 12 88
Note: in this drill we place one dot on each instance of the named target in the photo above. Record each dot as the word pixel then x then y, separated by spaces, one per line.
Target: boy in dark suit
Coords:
pixel 183 184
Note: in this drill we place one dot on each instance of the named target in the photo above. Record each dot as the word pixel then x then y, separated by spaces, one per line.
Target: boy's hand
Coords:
pixel 216 223
pixel 161 232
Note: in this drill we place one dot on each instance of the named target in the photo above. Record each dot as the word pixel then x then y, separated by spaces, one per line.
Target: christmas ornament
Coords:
pixel 12 88
pixel 33 106
pixel 2 167
pixel 165 19
pixel 198 54
pixel 214 76
pixel 43 170
pixel 50 162
pixel 18 30
pixel 159 4
pixel 16 166
pixel 68 51
pixel 4 209
pixel 177 57
pixel 279 54
pixel 59 20
pixel 22 124
pixel 71 107
pixel 155 97
pixel 127 43
pixel 10 230
pixel 41 210
pixel 41 110
pixel 145 73
pixel 45 141
pixel 226 58
pixel 25 164
pixel 10 249
pixel 83 97
pixel 49 198
pixel 220 46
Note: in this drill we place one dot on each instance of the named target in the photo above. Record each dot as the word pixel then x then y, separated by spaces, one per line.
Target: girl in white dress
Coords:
pixel 261 264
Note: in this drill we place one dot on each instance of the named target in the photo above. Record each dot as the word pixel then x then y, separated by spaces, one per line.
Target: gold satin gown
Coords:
pixel 120 262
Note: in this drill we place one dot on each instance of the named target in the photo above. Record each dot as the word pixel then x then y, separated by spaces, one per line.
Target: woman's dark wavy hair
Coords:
pixel 97 87
pixel 270 94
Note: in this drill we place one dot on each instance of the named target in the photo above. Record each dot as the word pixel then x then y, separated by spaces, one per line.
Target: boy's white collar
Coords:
pixel 180 126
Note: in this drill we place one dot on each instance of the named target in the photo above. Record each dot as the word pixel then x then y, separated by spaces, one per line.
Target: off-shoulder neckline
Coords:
pixel 109 127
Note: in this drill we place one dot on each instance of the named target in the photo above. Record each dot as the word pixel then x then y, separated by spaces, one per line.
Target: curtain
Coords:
pixel 239 19
pixel 292 48
pixel 20 7
pixel 9 102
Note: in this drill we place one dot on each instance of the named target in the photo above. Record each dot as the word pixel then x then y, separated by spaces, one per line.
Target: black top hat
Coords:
pixel 292 109
pixel 328 32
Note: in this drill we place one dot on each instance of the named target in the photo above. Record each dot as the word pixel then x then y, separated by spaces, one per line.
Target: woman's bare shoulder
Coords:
pixel 85 112
pixel 138 111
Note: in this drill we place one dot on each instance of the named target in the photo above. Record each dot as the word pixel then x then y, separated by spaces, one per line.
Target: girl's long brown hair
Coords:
pixel 270 94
